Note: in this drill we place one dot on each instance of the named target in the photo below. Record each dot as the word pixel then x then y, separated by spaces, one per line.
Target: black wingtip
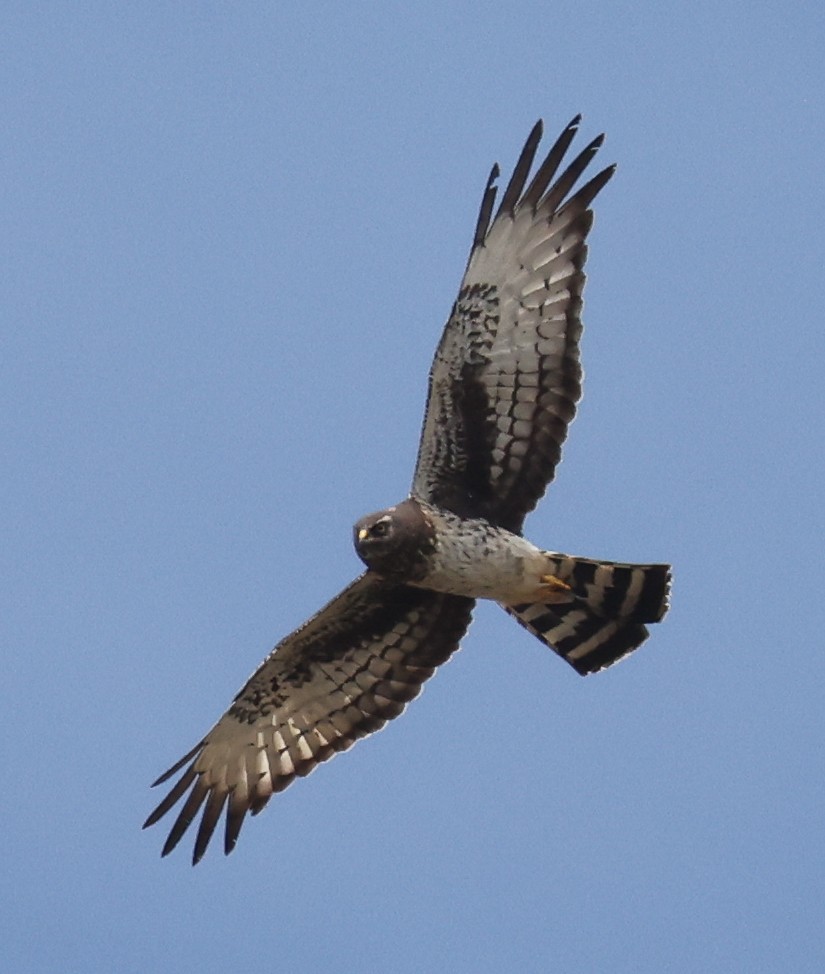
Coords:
pixel 235 814
pixel 597 143
pixel 521 170
pixel 485 212
pixel 178 765
pixel 515 194
pixel 585 196
pixel 549 167
pixel 554 196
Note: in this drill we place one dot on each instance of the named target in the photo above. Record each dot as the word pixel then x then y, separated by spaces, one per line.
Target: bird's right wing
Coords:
pixel 506 376
pixel 341 676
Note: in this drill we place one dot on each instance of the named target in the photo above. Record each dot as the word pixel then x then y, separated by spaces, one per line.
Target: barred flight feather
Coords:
pixel 604 619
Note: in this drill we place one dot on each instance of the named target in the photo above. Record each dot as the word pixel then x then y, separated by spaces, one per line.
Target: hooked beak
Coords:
pixel 362 533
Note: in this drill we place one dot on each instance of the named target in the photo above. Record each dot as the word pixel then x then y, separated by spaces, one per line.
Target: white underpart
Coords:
pixel 475 559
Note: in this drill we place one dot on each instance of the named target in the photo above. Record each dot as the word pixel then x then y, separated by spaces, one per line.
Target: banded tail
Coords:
pixel 604 619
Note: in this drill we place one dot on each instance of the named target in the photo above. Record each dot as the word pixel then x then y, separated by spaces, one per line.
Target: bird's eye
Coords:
pixel 380 529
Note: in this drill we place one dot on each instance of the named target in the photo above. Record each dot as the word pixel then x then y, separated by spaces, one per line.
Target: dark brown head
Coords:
pixel 395 543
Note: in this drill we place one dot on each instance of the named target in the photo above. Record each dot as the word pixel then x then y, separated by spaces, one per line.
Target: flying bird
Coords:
pixel 503 390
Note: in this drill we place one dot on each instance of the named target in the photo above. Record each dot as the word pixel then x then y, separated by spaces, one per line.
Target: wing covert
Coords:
pixel 506 375
pixel 342 675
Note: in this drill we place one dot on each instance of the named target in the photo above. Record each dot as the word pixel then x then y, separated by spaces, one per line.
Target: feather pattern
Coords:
pixel 604 619
pixel 506 375
pixel 341 676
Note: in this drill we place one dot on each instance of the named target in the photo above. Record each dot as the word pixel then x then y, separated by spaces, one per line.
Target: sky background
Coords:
pixel 230 235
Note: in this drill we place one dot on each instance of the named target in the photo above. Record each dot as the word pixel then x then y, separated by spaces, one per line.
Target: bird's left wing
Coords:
pixel 506 376
pixel 341 676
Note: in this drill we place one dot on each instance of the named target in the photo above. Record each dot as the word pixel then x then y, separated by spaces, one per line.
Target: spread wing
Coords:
pixel 506 376
pixel 341 676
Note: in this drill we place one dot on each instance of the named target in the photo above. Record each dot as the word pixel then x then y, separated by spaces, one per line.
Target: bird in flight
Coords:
pixel 503 390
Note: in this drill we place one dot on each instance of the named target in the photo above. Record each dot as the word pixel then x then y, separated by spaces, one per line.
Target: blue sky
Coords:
pixel 230 236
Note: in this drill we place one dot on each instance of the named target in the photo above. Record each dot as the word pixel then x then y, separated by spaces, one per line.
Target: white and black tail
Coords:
pixel 604 620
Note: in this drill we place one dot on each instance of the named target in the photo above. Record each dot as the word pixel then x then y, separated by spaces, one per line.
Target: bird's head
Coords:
pixel 395 543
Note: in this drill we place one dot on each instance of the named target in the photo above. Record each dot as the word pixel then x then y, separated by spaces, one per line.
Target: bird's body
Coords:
pixel 481 561
pixel 460 555
pixel 503 390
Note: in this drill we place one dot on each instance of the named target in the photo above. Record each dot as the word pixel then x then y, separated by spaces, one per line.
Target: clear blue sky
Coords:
pixel 230 236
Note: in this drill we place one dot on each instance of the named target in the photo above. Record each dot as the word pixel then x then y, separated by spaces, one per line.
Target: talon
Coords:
pixel 555 584
pixel 553 591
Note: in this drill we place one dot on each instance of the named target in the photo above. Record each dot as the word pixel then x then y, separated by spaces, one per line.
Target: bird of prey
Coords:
pixel 503 389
